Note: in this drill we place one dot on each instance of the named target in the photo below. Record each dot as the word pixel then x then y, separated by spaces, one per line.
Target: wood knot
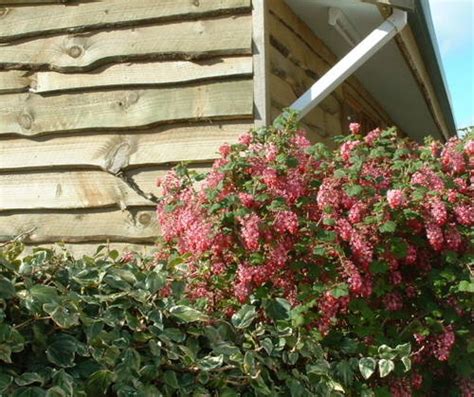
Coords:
pixel 3 11
pixel 130 99
pixel 75 51
pixel 144 218
pixel 25 120
pixel 196 3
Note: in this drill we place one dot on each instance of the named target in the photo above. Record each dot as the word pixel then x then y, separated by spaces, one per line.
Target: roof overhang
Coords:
pixel 405 76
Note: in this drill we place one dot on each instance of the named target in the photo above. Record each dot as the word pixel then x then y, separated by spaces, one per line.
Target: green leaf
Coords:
pixel 187 314
pixel 62 351
pixel 353 190
pixel 62 316
pixel 340 290
pixel 385 367
pixel 211 362
pixel 244 317
pixel 466 286
pixel 407 363
pixel 169 378
pixel 399 248
pixel 29 392
pixel 154 282
pixel 403 350
pixel 5 382
pixel 56 391
pixel 387 352
pixel 7 290
pixel 5 353
pixel 367 366
pixel 99 382
pixel 278 309
pixel 388 227
pixel 28 378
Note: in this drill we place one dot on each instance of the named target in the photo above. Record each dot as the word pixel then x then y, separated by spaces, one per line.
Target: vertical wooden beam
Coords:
pixel 261 60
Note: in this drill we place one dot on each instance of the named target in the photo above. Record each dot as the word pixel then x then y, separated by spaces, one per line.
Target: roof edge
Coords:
pixel 421 23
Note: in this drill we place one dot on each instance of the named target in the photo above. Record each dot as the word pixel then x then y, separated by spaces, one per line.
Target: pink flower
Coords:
pixel 355 128
pixel 372 136
pixel 245 139
pixel 395 198
pixel 469 147
pixel 435 236
pixel 438 211
pixel 250 231
pixel 224 150
pixel 393 301
pixel 347 148
pixel 465 214
pixel 247 199
pixel 286 221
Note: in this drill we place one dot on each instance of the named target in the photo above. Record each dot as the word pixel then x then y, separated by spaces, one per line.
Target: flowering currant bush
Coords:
pixel 372 244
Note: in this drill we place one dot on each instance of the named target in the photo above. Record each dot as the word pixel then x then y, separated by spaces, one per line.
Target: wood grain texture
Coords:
pixel 283 95
pixel 135 225
pixel 195 142
pixel 13 81
pixel 31 114
pixel 299 80
pixel 80 189
pixel 192 39
pixel 79 250
pixel 136 74
pixel 32 21
pixel 30 2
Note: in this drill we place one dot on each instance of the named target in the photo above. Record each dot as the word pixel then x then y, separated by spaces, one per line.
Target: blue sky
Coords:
pixel 453 21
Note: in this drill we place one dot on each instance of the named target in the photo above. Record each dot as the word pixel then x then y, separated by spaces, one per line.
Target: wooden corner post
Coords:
pixel 260 43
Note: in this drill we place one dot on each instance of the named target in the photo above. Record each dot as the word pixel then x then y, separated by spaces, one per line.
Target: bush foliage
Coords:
pixel 120 326
pixel 288 270
pixel 372 244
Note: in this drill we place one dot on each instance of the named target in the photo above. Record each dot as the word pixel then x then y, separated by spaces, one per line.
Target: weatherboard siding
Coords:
pixel 101 100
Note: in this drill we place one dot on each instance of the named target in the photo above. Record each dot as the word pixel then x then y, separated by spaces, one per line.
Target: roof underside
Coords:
pixel 386 75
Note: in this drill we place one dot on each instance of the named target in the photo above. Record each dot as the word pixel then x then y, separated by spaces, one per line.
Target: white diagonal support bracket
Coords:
pixel 350 63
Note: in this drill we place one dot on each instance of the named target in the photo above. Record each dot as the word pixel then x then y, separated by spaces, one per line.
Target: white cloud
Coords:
pixel 453 21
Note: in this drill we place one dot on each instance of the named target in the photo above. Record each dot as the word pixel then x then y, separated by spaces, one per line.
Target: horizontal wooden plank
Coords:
pixel 30 2
pixel 299 80
pixel 153 73
pixel 135 225
pixel 187 39
pixel 79 250
pixel 194 142
pixel 283 95
pixel 29 21
pixel 31 114
pixel 80 189
pixel 13 81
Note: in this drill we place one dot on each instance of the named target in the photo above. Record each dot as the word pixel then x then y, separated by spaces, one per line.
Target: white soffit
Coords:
pixel 386 75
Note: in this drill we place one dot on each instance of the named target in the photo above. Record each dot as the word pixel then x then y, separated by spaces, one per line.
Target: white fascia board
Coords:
pixel 350 63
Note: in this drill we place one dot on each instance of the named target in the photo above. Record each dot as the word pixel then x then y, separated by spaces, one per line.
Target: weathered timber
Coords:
pixel 134 225
pixel 32 114
pixel 136 74
pixel 13 81
pixel 80 189
pixel 188 39
pixel 79 250
pixel 299 80
pixel 114 152
pixel 32 21
pixel 30 2
pixel 283 95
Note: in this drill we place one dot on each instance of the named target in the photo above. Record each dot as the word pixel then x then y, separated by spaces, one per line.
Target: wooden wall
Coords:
pixel 98 99
pixel 297 59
